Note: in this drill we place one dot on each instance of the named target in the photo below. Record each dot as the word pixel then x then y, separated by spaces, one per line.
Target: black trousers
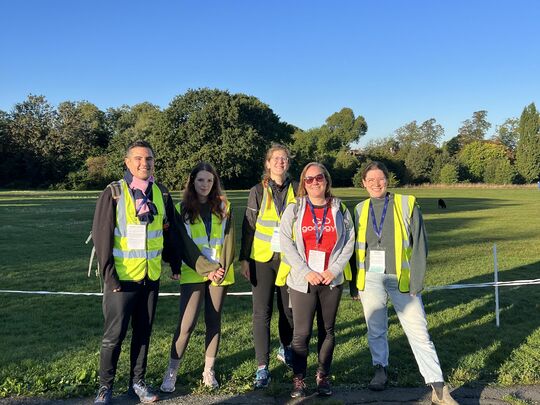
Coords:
pixel 324 301
pixel 136 303
pixel 263 278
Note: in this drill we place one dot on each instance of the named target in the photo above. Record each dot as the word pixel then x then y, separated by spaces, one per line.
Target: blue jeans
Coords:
pixel 412 317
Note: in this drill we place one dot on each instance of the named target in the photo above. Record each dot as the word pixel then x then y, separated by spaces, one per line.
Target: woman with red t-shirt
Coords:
pixel 317 241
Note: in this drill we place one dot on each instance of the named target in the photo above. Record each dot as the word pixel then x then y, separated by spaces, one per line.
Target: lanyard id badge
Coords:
pixel 276 246
pixel 316 260
pixel 136 236
pixel 377 262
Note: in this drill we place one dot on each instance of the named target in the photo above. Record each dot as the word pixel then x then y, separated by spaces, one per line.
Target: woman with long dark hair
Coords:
pixel 206 215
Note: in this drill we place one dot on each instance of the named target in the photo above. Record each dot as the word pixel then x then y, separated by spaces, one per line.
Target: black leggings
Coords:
pixel 324 301
pixel 263 278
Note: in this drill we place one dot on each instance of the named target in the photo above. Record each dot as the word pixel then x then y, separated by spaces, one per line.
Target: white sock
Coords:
pixel 209 363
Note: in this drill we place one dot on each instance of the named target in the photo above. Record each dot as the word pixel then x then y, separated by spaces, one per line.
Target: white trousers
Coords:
pixel 412 317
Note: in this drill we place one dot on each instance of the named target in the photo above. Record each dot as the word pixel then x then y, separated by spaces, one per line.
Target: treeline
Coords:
pixel 78 146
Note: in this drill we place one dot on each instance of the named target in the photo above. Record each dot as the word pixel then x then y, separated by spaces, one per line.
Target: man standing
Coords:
pixel 134 228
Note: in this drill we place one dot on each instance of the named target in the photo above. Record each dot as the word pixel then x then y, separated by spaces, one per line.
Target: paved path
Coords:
pixel 394 396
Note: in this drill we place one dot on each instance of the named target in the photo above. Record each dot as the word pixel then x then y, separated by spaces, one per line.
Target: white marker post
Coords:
pixel 496 279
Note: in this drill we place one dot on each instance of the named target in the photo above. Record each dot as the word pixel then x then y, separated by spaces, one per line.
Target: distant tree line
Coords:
pixel 78 146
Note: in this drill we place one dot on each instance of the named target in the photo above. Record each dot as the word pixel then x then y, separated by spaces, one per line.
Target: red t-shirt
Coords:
pixel 329 235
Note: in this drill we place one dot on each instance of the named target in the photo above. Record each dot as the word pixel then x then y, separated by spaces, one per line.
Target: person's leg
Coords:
pixel 213 306
pixel 303 306
pixel 117 309
pixel 191 298
pixel 262 282
pixel 141 322
pixel 285 320
pixel 374 300
pixel 410 311
pixel 328 299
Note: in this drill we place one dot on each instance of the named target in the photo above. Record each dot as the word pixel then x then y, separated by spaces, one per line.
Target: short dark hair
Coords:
pixel 375 165
pixel 139 144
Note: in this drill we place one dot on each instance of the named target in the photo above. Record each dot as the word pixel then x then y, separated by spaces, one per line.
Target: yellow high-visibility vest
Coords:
pixel 134 264
pixel 403 209
pixel 197 232
pixel 267 220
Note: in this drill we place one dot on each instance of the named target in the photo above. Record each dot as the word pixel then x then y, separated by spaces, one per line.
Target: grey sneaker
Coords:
pixel 104 396
pixel 379 380
pixel 144 392
pixel 299 387
pixel 169 380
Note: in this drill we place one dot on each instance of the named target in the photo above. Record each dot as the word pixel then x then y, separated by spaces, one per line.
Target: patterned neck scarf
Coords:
pixel 145 209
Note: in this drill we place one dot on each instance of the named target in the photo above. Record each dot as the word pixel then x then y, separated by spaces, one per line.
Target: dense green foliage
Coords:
pixel 50 344
pixel 77 146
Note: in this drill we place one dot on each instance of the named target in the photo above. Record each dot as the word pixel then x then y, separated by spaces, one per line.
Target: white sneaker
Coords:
pixel 209 380
pixel 169 380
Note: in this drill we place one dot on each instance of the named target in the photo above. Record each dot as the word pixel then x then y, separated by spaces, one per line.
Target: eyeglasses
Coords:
pixel 373 181
pixel 319 178
pixel 277 159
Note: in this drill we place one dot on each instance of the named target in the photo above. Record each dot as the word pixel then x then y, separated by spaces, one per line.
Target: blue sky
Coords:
pixel 390 61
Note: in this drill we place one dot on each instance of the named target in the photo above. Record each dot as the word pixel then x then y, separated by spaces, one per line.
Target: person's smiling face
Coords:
pixel 375 183
pixel 140 162
pixel 203 183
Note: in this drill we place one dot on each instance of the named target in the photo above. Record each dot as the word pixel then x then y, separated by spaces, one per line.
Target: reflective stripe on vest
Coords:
pixel 267 220
pixel 134 264
pixel 285 267
pixel 197 232
pixel 403 209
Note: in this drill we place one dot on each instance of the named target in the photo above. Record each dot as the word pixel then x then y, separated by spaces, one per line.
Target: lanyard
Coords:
pixel 318 231
pixel 280 207
pixel 378 230
pixel 207 225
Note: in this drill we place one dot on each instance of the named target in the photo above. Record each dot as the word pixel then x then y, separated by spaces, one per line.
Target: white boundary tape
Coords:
pixel 248 293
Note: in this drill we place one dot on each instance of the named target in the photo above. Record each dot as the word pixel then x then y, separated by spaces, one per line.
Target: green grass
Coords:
pixel 49 345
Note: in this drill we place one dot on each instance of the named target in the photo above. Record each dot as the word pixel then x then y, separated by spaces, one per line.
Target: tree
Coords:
pixel 32 132
pixel 420 160
pixel 330 144
pixel 473 129
pixel 232 132
pixel 528 147
pixel 449 174
pixel 499 171
pixel 507 134
pixel 476 155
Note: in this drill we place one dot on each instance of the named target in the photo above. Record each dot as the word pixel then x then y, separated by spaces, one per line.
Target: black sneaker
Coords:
pixel 324 388
pixel 299 387
pixel 379 380
pixel 145 393
pixel 104 396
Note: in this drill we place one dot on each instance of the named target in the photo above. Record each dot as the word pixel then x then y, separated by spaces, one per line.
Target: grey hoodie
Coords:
pixel 294 249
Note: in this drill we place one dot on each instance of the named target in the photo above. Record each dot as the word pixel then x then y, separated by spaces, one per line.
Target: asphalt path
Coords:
pixel 466 396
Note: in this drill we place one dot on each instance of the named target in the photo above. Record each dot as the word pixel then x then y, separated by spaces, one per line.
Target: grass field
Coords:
pixel 49 345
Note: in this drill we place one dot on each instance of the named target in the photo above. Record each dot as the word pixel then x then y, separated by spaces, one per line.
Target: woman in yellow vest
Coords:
pixel 206 215
pixel 391 253
pixel 260 258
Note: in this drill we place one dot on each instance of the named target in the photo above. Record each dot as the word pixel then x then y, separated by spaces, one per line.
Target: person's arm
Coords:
pixel 103 237
pixel 191 254
pixel 288 244
pixel 419 251
pixel 336 267
pixel 227 255
pixel 171 241
pixel 248 224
